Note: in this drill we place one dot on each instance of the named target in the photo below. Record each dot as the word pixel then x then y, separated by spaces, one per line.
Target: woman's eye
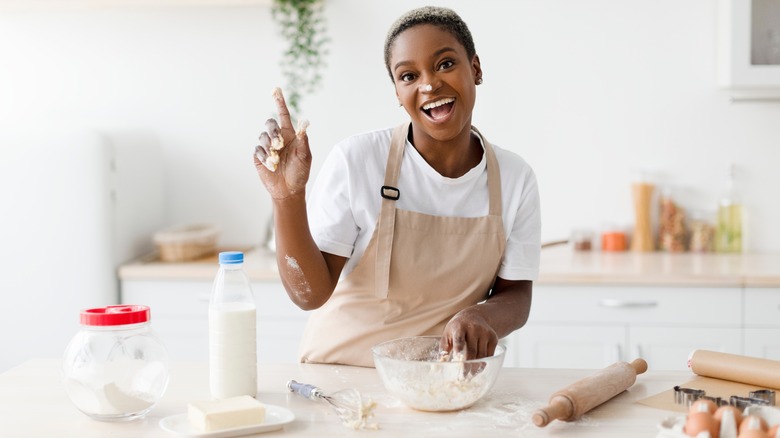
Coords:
pixel 407 77
pixel 446 65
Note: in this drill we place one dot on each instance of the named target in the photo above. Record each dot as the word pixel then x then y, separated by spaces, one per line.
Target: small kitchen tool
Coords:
pixel 572 402
pixel 763 394
pixel 686 396
pixel 347 403
pixel 743 402
pixel 759 397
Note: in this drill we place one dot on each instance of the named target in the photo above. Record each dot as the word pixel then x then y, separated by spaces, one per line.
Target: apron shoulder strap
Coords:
pixel 494 176
pixel 386 224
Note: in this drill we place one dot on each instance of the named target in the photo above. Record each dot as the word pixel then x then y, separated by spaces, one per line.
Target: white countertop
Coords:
pixel 33 403
pixel 559 265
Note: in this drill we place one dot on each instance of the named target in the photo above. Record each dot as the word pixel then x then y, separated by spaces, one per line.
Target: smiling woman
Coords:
pixel 421 229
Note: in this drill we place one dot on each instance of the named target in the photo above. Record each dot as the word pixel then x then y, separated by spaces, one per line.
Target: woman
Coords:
pixel 414 230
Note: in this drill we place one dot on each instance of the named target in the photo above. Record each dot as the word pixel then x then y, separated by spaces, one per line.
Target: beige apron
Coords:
pixel 440 265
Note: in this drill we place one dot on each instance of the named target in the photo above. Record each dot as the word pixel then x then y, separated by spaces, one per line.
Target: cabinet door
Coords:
pixel 636 305
pixel 762 322
pixel 179 314
pixel 668 348
pixel 762 307
pixel 763 343
pixel 567 346
pixel 280 324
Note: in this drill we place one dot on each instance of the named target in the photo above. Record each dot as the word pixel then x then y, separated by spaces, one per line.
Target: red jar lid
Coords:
pixel 115 315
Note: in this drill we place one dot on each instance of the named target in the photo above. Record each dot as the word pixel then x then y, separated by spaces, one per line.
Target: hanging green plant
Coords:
pixel 302 25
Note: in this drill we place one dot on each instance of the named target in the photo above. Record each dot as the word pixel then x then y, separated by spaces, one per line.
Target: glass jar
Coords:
pixel 582 239
pixel 115 368
pixel 702 231
pixel 672 235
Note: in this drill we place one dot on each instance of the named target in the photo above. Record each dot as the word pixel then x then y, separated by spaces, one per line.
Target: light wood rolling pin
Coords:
pixel 736 368
pixel 580 397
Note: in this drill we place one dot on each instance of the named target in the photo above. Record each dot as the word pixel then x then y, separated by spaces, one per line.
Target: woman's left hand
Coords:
pixel 470 334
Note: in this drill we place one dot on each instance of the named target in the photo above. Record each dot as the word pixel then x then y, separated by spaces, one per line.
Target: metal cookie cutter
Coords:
pixel 743 402
pixel 717 400
pixel 686 396
pixel 763 394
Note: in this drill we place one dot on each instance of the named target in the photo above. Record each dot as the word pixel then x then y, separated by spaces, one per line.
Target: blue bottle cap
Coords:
pixel 231 257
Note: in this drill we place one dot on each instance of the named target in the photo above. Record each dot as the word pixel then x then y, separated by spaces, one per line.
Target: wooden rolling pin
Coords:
pixel 572 402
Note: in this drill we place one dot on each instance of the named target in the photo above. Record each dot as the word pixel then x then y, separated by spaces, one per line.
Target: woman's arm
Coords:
pixel 283 162
pixel 476 330
pixel 308 275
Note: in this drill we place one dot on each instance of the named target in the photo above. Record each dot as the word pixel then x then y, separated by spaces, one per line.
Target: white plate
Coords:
pixel 275 418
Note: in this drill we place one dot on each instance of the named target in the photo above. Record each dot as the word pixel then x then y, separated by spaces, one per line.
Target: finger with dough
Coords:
pixel 303 125
pixel 264 152
pixel 268 159
pixel 281 109
pixel 275 134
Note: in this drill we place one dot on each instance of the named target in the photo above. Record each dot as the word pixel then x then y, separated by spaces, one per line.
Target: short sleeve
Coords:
pixel 331 221
pixel 523 250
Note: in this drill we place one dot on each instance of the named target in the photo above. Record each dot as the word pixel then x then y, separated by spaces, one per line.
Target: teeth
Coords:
pixel 444 101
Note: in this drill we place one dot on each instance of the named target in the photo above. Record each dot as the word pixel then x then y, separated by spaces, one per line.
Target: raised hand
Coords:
pixel 283 157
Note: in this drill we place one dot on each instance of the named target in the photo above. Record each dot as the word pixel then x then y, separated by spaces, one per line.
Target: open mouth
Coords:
pixel 439 109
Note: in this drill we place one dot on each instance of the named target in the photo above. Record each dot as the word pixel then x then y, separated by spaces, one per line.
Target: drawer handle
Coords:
pixel 623 304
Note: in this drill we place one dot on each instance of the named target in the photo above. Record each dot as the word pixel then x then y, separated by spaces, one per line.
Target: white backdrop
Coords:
pixel 587 91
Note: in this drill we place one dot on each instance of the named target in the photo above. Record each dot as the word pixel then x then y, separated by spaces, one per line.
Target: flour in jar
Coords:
pixel 116 388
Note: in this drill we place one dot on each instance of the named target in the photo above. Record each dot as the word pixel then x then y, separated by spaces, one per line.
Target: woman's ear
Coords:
pixel 477 67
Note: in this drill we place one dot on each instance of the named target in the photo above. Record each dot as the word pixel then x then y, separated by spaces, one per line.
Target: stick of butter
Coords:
pixel 228 413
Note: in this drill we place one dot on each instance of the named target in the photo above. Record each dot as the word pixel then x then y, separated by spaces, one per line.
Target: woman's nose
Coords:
pixel 429 84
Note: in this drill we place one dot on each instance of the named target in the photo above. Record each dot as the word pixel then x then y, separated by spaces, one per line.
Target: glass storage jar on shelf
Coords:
pixel 728 233
pixel 671 223
pixel 115 368
pixel 702 231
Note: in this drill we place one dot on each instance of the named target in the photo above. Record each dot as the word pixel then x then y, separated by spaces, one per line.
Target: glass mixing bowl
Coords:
pixel 414 370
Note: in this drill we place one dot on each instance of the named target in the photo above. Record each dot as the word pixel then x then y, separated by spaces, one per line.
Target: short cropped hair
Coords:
pixel 444 18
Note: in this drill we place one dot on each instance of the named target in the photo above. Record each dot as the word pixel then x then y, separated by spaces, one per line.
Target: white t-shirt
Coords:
pixel 345 199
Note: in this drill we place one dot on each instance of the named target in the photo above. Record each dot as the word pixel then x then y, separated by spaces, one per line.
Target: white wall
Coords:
pixel 586 91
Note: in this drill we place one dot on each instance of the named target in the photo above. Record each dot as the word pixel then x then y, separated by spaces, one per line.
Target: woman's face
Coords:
pixel 435 80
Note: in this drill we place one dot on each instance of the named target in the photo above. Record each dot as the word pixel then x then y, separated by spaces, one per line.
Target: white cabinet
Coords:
pixel 668 348
pixel 762 322
pixel 547 345
pixel 180 317
pixel 595 326
pixel 749 48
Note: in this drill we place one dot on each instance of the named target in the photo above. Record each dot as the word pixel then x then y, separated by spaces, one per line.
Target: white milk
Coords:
pixel 233 350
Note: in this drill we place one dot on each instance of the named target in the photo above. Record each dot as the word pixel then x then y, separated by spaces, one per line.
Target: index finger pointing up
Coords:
pixel 281 109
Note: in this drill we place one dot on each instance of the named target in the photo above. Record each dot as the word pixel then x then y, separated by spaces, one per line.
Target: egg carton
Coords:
pixel 672 427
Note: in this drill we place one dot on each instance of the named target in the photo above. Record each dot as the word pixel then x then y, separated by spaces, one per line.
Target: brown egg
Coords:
pixel 703 406
pixel 752 433
pixel 735 410
pixel 752 422
pixel 700 421
pixel 774 431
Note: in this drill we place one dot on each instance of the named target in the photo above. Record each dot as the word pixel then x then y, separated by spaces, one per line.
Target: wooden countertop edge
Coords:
pixel 261 266
pixel 639 280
